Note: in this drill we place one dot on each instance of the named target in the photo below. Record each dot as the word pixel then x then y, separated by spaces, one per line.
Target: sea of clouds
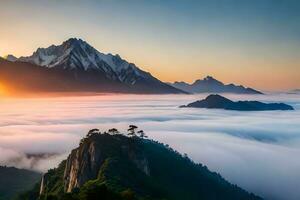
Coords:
pixel 258 151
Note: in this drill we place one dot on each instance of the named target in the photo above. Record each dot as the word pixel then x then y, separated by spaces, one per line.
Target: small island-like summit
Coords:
pixel 219 102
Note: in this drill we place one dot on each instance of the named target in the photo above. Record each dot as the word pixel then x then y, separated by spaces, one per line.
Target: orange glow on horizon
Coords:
pixel 7 91
pixel 3 89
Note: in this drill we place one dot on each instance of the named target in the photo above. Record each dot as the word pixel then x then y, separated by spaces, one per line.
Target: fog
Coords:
pixel 259 151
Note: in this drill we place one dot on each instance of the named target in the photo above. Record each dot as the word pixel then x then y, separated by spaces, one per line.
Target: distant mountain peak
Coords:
pixel 211 85
pixel 208 80
pixel 10 57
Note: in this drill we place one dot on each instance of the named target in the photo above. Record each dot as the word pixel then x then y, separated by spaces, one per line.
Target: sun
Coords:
pixel 3 89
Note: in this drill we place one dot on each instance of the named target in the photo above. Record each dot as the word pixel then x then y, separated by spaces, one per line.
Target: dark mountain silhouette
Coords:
pixel 217 101
pixel 296 91
pixel 27 77
pixel 76 66
pixel 107 165
pixel 14 181
pixel 211 85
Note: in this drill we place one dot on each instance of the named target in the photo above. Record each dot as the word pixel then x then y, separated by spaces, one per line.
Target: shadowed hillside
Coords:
pixel 13 181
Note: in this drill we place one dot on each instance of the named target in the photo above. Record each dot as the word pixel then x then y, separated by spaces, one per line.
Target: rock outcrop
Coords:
pixel 85 162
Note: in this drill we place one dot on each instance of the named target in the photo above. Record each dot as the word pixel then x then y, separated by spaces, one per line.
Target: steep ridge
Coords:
pixel 143 168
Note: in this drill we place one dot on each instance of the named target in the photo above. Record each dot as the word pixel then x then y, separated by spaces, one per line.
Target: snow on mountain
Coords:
pixel 77 66
pixel 76 54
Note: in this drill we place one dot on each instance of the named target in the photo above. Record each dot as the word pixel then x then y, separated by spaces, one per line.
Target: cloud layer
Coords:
pixel 258 151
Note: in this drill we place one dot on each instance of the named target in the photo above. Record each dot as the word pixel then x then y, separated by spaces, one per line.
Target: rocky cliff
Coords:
pixel 140 168
pixel 85 162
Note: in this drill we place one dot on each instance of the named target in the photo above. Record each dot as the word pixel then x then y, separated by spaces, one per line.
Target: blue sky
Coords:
pixel 229 39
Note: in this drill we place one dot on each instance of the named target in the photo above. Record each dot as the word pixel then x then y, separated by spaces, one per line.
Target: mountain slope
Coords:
pixel 27 77
pixel 144 168
pixel 211 85
pixel 86 66
pixel 13 181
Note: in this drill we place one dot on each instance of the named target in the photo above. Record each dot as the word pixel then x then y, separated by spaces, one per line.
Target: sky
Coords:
pixel 251 42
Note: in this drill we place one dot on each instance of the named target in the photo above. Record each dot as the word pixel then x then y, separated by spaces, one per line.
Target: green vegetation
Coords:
pixel 13 181
pixel 114 166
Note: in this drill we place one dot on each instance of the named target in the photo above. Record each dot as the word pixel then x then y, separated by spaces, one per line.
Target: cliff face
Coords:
pixel 82 165
pixel 150 170
pixel 43 185
pixel 85 162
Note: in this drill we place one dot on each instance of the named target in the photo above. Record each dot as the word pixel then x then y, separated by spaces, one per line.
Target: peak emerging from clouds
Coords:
pixel 84 65
pixel 216 101
pixel 74 53
pixel 212 85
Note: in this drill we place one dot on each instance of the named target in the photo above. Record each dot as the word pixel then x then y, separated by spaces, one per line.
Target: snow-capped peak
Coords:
pixel 76 54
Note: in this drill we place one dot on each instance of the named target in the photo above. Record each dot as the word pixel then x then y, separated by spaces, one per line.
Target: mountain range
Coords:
pixel 211 85
pixel 77 66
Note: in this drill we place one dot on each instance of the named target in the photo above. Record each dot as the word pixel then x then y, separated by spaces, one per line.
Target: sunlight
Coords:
pixel 3 89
